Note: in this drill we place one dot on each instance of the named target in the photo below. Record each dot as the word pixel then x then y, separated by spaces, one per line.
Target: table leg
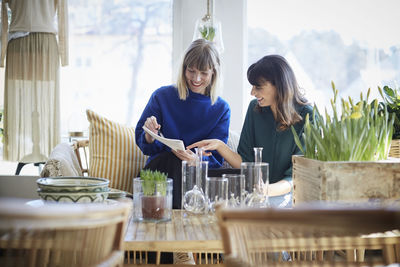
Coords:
pixel 351 255
pixel 360 254
pixel 319 255
pixel 389 254
pixel 158 257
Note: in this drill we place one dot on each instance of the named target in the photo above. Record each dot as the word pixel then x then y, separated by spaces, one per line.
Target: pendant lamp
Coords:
pixel 209 28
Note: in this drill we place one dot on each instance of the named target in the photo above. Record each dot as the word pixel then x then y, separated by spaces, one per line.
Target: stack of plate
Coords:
pixel 73 189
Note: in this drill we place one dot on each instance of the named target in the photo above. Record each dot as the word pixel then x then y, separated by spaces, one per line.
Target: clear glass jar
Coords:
pixel 152 201
pixel 193 185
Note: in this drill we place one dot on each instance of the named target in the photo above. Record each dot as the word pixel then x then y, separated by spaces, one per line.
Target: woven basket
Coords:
pixel 395 148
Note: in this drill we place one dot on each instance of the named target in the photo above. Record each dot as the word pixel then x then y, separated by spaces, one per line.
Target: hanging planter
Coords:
pixel 209 28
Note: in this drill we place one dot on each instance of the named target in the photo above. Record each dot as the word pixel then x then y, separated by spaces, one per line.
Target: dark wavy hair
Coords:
pixel 276 70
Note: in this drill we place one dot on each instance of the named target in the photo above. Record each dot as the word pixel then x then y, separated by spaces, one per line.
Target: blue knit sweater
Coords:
pixel 190 120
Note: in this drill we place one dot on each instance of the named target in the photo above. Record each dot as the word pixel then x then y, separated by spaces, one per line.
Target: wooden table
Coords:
pixel 185 232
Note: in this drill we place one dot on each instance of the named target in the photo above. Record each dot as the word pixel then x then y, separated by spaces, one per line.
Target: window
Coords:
pixel 120 52
pixel 354 43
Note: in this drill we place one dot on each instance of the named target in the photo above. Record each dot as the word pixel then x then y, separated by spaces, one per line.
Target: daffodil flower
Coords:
pixel 356 115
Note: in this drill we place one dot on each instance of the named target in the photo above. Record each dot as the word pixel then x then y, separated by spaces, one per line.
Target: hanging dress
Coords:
pixel 31 88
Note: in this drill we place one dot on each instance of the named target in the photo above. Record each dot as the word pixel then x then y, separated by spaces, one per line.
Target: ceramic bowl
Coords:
pixel 73 184
pixel 73 189
pixel 74 197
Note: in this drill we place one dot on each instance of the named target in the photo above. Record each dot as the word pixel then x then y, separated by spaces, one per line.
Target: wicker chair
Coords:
pixel 68 160
pixel 80 147
pixel 62 234
pixel 256 237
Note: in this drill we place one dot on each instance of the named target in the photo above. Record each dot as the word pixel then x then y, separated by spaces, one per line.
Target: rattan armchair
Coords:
pixel 62 234
pixel 80 148
pixel 256 237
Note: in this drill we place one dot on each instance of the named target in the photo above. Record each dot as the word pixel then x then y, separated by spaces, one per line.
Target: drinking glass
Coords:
pixel 193 185
pixel 216 192
pixel 235 189
pixel 256 183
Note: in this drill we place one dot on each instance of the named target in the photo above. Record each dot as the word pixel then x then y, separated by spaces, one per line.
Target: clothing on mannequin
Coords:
pixel 33 48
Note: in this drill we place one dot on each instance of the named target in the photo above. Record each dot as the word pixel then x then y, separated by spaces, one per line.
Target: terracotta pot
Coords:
pixel 153 207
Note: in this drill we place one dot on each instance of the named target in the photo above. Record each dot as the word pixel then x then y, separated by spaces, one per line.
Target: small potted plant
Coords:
pixel 391 103
pixel 152 196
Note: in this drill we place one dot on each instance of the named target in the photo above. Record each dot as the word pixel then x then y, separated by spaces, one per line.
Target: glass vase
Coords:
pixel 154 206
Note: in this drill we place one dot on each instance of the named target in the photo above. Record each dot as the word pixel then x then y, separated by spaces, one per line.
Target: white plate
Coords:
pixel 116 193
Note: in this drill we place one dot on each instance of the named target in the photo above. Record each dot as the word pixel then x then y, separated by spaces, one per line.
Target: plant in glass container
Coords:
pixel 152 196
pixel 209 28
pixel 207 32
pixel 345 155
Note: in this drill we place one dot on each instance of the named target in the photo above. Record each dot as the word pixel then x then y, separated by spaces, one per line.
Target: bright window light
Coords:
pixel 354 43
pixel 120 52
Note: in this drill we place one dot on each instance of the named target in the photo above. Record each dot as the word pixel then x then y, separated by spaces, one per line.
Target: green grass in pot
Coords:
pixel 392 105
pixel 152 180
pixel 359 133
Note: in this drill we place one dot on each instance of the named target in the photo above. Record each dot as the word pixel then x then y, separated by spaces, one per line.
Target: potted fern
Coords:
pixel 152 196
pixel 345 155
pixel 392 105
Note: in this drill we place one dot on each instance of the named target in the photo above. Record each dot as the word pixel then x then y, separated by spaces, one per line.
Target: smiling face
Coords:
pixel 265 93
pixel 198 80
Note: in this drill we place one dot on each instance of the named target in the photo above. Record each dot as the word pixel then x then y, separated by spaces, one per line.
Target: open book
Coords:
pixel 174 144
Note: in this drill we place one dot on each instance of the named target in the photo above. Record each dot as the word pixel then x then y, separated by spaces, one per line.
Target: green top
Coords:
pixel 260 130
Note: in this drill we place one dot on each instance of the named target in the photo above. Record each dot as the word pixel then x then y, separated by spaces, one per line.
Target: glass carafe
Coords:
pixel 257 178
pixel 193 181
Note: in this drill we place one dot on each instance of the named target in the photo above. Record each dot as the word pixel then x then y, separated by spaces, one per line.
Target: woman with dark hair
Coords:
pixel 278 106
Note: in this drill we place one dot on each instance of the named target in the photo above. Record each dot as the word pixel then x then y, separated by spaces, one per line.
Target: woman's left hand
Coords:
pixel 187 155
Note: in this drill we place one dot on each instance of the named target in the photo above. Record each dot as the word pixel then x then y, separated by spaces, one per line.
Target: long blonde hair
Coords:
pixel 202 55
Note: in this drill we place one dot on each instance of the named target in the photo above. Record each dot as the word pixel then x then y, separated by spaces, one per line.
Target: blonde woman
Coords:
pixel 190 111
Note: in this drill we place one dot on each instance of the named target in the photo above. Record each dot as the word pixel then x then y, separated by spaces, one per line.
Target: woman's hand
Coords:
pixel 207 145
pixel 187 155
pixel 152 124
pixel 233 158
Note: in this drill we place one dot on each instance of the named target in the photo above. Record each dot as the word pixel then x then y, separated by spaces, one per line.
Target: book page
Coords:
pixel 174 144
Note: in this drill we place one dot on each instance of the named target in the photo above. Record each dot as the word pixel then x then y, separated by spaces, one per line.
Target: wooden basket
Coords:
pixel 346 182
pixel 395 148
